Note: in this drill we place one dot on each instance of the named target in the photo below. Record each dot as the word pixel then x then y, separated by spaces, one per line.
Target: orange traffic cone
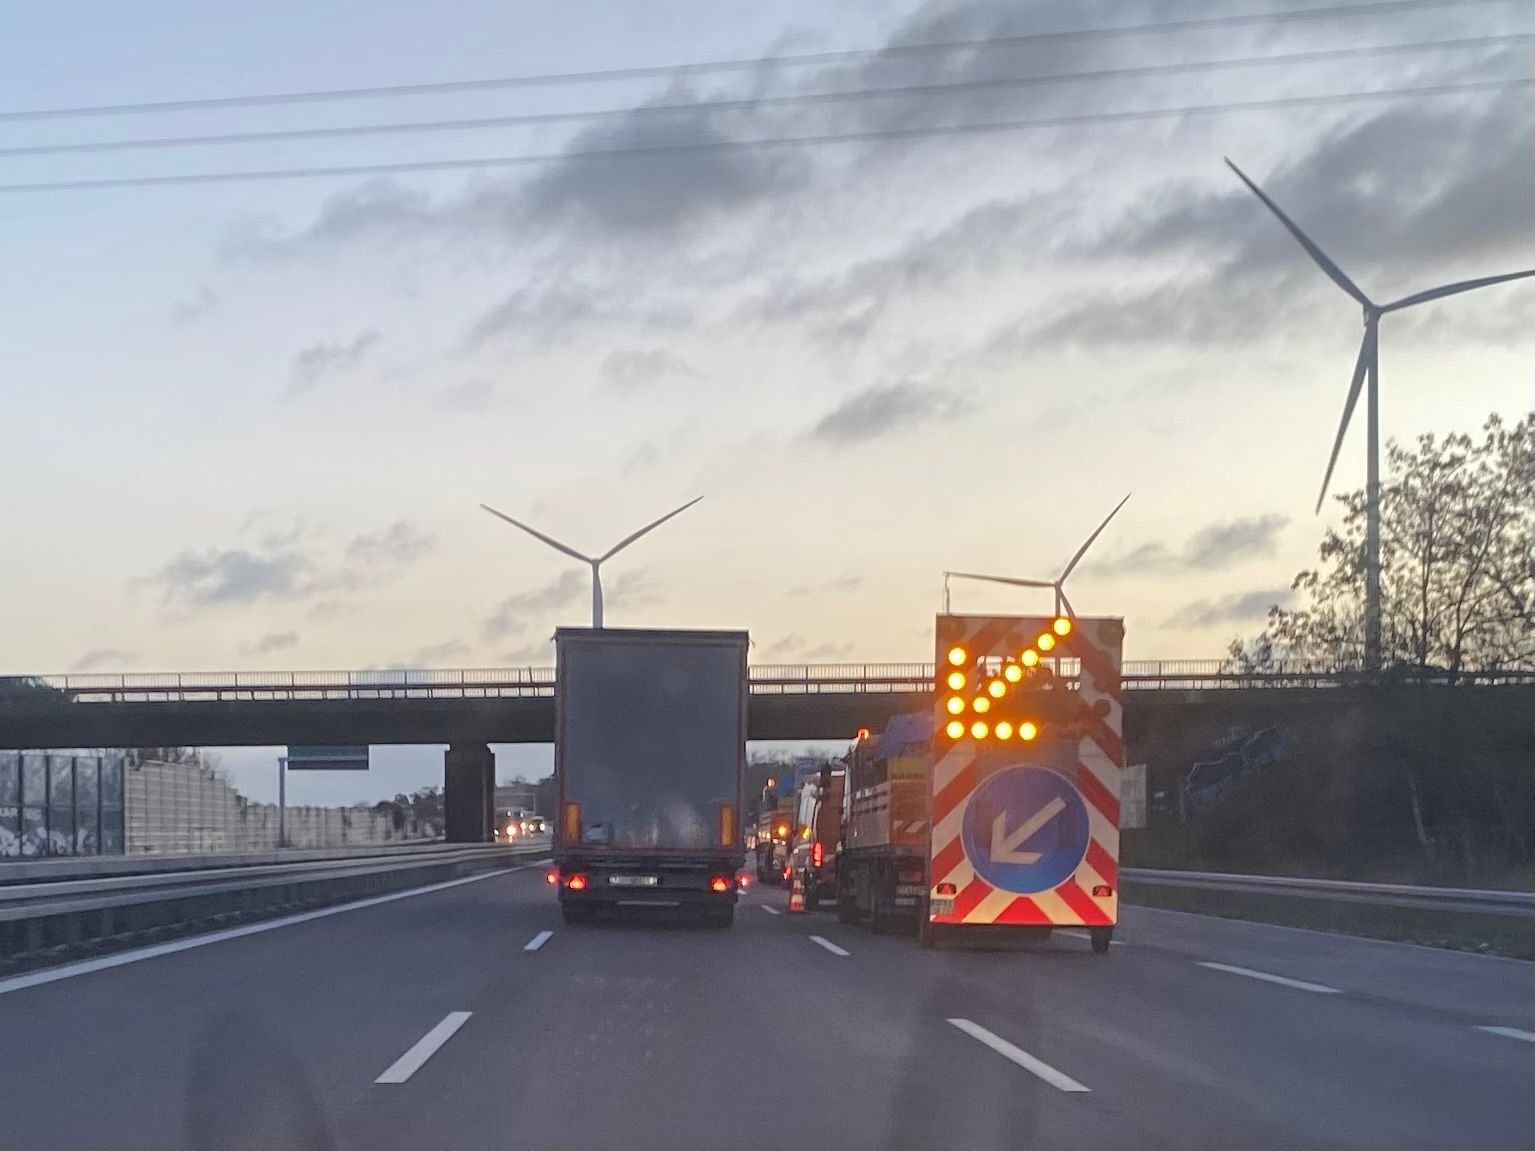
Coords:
pixel 797 895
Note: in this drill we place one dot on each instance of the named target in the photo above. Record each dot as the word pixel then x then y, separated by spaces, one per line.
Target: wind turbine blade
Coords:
pixel 1334 272
pixel 1348 409
pixel 650 527
pixel 1001 579
pixel 538 535
pixel 1082 551
pixel 1453 290
pixel 1071 612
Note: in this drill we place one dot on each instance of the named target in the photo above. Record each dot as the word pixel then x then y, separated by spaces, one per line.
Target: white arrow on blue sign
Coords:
pixel 1025 829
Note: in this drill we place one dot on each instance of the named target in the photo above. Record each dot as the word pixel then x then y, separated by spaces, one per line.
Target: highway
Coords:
pixel 468 1016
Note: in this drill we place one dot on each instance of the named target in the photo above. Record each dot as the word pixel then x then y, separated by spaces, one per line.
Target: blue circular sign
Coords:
pixel 1025 829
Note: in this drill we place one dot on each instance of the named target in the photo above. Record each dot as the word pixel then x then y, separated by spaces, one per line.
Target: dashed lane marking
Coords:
pixel 1057 1079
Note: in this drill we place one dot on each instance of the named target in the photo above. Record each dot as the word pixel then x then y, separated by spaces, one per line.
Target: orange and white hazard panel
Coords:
pixel 1028 751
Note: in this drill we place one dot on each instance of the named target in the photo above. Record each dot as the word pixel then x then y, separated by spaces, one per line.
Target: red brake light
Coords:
pixel 947 889
pixel 553 877
pixel 576 883
pixel 1103 890
pixel 817 854
pixel 719 884
pixel 787 871
pixel 744 880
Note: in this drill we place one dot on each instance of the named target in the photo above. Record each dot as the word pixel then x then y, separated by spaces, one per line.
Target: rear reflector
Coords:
pixel 947 889
pixel 576 883
pixel 1103 890
pixel 719 884
pixel 570 823
pixel 727 824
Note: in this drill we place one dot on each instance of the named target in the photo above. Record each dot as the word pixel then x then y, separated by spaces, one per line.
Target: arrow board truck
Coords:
pixel 649 758
pixel 1024 789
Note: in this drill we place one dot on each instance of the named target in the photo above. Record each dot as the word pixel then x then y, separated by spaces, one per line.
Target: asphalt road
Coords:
pixel 640 1034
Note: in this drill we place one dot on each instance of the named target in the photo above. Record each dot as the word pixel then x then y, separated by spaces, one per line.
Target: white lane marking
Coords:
pixel 1298 984
pixel 538 941
pixel 1510 1033
pixel 106 962
pixel 1056 1079
pixel 1085 935
pixel 828 944
pixel 424 1048
pixel 771 910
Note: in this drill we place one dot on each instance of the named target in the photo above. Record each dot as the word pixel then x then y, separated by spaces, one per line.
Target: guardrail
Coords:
pixel 765 679
pixel 48 909
pixel 1452 899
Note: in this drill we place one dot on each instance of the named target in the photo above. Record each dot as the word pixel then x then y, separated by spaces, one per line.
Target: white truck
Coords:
pixel 649 757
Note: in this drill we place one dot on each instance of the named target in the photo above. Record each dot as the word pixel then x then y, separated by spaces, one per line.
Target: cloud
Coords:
pixel 437 652
pixel 632 589
pixel 880 410
pixel 271 642
pixel 632 369
pixel 399 544
pixel 321 361
pixel 216 577
pixel 548 312
pixel 535 653
pixel 837 585
pixel 1239 607
pixel 829 653
pixel 198 306
pixel 512 615
pixel 1212 548
pixel 788 645
pixel 474 395
pixel 104 657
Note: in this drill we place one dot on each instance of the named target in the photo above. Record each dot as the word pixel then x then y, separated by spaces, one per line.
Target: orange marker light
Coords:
pixel 1012 672
pixel 955 730
pixel 1004 730
pixel 996 689
pixel 956 680
pixel 978 729
pixel 981 704
pixel 1061 626
pixel 955 705
pixel 1029 658
pixel 1045 642
pixel 958 656
pixel 1027 730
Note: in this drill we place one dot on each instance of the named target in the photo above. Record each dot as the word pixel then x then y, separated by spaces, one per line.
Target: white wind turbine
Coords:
pixel 596 562
pixel 1368 364
pixel 1058 584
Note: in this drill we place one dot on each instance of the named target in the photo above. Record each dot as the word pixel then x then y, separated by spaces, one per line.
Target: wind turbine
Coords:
pixel 596 562
pixel 1368 364
pixel 1058 584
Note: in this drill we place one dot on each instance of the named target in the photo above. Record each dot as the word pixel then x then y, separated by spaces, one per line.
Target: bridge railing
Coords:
pixel 766 679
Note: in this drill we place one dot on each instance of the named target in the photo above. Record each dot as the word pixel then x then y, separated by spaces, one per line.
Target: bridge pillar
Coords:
pixel 468 792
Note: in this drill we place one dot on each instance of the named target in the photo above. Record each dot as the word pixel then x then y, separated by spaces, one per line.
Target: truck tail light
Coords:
pixel 575 883
pixel 947 889
pixel 719 884
pixel 553 877
pixel 1102 890
pixel 787 871
pixel 744 880
pixel 817 854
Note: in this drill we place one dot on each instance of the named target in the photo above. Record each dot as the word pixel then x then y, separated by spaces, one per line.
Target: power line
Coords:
pixel 768 142
pixel 755 102
pixel 1167 27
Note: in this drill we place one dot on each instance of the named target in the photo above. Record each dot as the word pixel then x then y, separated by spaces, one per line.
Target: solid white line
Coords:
pixel 1510 1033
pixel 829 945
pixel 1298 984
pixel 538 941
pixel 424 1048
pixel 106 962
pixel 1002 1047
pixel 770 910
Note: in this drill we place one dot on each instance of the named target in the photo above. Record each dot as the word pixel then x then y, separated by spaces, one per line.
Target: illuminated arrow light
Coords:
pixel 955 705
pixel 996 689
pixel 1004 730
pixel 981 704
pixel 978 729
pixel 1012 672
pixel 1045 642
pixel 956 680
pixel 1027 730
pixel 958 656
pixel 1061 626
pixel 1029 658
pixel 956 729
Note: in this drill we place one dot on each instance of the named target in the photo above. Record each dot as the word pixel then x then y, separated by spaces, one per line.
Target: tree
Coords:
pixel 1457 565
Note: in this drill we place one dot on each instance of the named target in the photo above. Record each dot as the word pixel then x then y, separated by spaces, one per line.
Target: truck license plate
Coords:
pixel 942 906
pixel 634 880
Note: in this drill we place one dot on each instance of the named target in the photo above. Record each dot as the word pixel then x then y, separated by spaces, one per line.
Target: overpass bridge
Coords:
pixel 470 709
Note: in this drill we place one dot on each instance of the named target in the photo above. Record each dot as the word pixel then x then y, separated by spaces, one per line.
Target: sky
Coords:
pixel 248 424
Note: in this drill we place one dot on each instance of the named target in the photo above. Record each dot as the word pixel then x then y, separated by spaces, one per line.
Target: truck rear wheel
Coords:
pixel 1101 937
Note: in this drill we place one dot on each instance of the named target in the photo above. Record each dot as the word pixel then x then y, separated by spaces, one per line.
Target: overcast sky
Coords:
pixel 247 424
